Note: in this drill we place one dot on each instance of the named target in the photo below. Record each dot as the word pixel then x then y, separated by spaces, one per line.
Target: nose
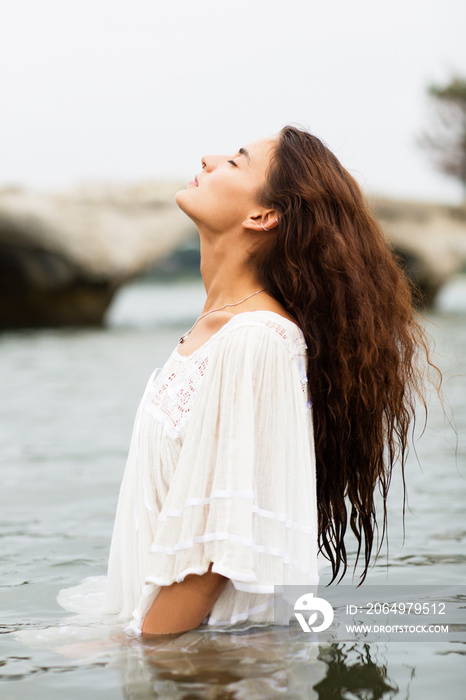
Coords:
pixel 210 162
pixel 206 162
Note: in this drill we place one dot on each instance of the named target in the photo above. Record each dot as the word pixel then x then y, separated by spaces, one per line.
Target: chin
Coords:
pixel 182 200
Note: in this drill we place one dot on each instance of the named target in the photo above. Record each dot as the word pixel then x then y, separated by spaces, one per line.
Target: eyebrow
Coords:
pixel 244 152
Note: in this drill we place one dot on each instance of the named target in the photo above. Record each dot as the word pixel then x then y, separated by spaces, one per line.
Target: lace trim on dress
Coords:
pixel 281 518
pixel 261 512
pixel 230 537
pixel 170 396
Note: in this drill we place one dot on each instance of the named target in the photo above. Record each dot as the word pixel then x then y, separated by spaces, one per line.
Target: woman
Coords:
pixel 283 407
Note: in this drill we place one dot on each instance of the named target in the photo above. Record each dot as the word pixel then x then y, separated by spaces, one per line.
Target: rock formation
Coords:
pixel 429 238
pixel 63 256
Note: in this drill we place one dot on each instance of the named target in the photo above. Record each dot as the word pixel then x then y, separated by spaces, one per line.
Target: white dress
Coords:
pixel 221 469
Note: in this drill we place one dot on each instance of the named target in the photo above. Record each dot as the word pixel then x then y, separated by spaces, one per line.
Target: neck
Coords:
pixel 225 271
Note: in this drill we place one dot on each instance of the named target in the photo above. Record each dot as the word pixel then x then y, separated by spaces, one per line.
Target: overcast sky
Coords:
pixel 136 89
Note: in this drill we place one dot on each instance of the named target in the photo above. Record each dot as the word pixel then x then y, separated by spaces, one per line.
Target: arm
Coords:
pixel 183 606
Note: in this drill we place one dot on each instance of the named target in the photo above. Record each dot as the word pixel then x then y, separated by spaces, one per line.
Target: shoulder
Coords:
pixel 261 345
pixel 261 340
pixel 265 326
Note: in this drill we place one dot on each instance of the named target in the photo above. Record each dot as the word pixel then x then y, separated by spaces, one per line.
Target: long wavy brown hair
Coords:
pixel 332 269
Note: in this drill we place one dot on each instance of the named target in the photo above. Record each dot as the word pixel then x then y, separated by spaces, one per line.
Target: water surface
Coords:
pixel 67 407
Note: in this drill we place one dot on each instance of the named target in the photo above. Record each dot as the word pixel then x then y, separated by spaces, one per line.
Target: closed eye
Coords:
pixel 233 163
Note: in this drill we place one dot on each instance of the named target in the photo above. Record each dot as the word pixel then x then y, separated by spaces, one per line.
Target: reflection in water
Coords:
pixel 261 663
pixel 272 663
pixel 258 664
pixel 353 673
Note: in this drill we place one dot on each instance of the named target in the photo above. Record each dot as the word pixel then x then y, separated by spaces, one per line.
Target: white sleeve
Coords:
pixel 243 495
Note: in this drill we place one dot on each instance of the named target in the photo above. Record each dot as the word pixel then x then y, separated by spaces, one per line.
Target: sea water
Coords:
pixel 67 405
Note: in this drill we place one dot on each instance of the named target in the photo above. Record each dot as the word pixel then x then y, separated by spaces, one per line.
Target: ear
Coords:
pixel 265 221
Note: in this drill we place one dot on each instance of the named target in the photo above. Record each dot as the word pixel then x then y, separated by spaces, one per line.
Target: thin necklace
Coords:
pixel 183 337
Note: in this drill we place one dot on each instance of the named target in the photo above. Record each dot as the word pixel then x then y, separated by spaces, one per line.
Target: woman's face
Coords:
pixel 223 195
